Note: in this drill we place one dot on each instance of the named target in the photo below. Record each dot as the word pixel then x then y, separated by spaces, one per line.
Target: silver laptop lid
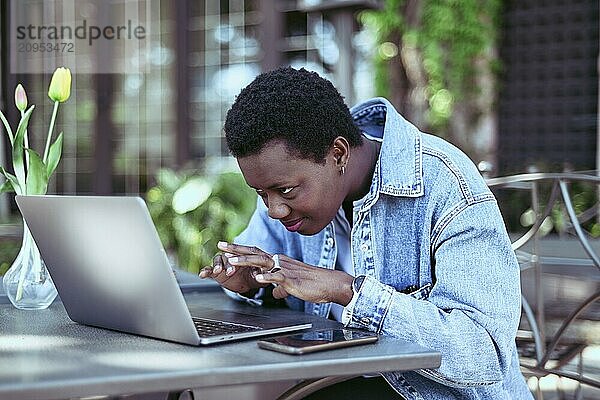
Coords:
pixel 108 264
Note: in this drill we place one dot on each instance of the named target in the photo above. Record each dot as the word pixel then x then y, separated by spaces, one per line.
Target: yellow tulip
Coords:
pixel 20 98
pixel 60 85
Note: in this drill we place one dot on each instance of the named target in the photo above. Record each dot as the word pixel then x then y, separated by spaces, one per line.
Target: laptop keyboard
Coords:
pixel 209 327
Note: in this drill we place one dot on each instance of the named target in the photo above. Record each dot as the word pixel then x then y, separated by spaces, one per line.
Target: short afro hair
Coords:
pixel 298 107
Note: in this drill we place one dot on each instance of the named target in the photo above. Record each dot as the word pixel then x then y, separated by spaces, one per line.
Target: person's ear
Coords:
pixel 340 151
pixel 341 154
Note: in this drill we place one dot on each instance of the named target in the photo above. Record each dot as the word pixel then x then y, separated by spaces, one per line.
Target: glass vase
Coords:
pixel 27 282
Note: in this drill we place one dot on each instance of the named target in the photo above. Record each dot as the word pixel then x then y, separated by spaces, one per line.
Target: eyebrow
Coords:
pixel 274 186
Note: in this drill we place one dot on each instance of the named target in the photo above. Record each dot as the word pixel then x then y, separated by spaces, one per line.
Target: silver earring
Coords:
pixel 343 170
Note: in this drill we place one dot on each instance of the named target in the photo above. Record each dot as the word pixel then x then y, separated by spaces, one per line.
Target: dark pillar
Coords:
pixel 4 66
pixel 182 84
pixel 103 134
pixel 271 34
pixel 104 130
pixel 343 20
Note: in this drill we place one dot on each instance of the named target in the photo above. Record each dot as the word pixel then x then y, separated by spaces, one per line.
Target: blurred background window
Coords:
pixel 164 104
pixel 145 117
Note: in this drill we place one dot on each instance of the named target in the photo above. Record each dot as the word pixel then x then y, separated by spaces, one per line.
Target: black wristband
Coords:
pixel 357 283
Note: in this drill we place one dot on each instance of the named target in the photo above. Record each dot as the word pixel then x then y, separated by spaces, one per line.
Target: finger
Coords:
pixel 217 264
pixel 210 272
pixel 239 249
pixel 263 261
pixel 230 270
pixel 280 293
pixel 276 278
pixel 205 272
pixel 255 271
pixel 222 271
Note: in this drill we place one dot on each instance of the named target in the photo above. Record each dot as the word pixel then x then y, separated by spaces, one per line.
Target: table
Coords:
pixel 44 355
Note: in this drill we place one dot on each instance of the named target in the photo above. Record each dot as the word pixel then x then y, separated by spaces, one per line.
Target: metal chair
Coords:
pixel 552 353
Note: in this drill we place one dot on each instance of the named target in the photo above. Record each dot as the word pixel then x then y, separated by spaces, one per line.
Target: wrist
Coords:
pixel 345 292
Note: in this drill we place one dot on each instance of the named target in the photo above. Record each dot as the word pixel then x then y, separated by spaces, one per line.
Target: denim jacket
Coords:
pixel 429 221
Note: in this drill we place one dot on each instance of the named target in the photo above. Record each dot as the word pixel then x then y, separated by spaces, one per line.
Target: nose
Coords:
pixel 278 209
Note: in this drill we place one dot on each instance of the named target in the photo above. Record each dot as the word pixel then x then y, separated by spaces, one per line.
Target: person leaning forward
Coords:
pixel 363 218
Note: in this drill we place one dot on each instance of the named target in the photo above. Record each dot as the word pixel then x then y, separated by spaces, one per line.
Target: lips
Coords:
pixel 293 225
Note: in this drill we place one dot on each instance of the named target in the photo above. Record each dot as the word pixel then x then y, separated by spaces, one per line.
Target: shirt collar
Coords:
pixel 399 168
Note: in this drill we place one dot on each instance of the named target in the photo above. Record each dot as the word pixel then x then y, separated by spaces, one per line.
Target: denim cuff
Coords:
pixel 349 309
pixel 255 301
pixel 359 313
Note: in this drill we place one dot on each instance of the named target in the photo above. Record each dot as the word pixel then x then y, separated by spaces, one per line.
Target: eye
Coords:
pixel 286 190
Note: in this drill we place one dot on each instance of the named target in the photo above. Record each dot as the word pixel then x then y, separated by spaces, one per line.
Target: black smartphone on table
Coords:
pixel 323 339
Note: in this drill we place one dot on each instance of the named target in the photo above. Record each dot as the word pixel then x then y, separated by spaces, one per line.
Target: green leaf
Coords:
pixel 37 178
pixel 12 179
pixel 6 187
pixel 17 149
pixel 7 126
pixel 54 155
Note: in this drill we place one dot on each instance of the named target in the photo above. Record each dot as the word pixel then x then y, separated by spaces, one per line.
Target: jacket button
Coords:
pixel 365 321
pixel 364 247
pixel 330 242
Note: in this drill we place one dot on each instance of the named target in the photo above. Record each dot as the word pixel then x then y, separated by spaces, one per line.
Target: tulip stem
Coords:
pixel 50 130
pixel 26 145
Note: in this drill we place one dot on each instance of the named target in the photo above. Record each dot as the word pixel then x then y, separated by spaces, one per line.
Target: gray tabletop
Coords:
pixel 44 355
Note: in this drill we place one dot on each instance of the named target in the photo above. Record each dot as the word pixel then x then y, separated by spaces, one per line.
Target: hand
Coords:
pixel 306 282
pixel 225 274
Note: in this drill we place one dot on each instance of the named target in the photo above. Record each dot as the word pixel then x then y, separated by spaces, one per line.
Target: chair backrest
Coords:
pixel 571 251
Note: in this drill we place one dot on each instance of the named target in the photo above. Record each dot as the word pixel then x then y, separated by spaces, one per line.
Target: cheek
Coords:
pixel 321 203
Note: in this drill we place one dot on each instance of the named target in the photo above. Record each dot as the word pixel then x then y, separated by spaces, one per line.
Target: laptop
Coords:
pixel 111 271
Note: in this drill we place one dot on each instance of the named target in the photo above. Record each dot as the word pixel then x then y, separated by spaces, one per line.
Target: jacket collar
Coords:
pixel 399 169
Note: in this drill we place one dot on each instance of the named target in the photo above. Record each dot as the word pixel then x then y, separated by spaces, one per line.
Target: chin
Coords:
pixel 307 233
pixel 311 230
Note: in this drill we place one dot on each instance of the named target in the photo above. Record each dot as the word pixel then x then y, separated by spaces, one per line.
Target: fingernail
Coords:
pixel 222 244
pixel 259 277
pixel 228 255
pixel 230 270
pixel 233 260
pixel 217 269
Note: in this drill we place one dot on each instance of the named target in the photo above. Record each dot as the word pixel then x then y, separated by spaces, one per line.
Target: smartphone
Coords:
pixel 324 339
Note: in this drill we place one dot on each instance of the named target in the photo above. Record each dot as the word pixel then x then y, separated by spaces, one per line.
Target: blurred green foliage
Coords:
pixel 384 22
pixel 193 212
pixel 584 196
pixel 519 216
pixel 11 230
pixel 8 252
pixel 452 37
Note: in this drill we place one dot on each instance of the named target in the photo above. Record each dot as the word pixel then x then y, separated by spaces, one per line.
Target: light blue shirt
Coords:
pixel 343 261
pixel 429 221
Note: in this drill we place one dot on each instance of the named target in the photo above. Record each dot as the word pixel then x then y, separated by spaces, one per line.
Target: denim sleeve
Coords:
pixel 473 310
pixel 263 233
